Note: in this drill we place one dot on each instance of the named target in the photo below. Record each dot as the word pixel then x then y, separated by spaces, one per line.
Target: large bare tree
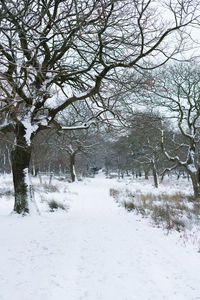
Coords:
pixel 69 50
pixel 177 89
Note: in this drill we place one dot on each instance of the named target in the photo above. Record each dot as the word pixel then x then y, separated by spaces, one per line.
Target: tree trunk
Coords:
pixel 72 167
pixel 20 158
pixel 198 174
pixel 155 176
pixel 118 173
pixel 146 174
pixel 196 185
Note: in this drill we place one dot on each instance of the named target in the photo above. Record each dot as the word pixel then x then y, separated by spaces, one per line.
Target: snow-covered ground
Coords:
pixel 170 206
pixel 93 251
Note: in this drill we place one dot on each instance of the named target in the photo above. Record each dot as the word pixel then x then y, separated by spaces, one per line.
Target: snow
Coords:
pixel 29 128
pixel 84 94
pixel 93 251
pixel 84 126
pixel 170 186
pixel 74 172
pixel 32 206
pixel 192 168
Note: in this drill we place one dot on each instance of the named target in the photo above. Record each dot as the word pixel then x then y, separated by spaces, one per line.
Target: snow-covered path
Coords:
pixel 96 251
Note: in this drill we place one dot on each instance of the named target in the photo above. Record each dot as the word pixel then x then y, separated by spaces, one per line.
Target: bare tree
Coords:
pixel 178 90
pixel 144 141
pixel 69 50
pixel 74 143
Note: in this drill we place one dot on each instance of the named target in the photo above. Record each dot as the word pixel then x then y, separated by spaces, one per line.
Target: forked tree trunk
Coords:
pixel 20 157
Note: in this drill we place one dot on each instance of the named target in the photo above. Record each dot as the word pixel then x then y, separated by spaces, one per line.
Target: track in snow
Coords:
pixel 97 251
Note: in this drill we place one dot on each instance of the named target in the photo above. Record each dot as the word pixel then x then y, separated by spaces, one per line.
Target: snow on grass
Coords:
pixel 43 193
pixel 6 194
pixel 170 185
pixel 170 206
pixel 93 251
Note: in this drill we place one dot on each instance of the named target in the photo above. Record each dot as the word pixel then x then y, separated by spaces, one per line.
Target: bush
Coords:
pixel 161 214
pixel 6 192
pixel 129 205
pixel 53 204
pixel 177 224
pixel 114 193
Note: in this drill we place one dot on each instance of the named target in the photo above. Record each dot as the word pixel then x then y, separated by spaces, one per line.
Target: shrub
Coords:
pixel 129 205
pixel 178 224
pixel 6 192
pixel 114 193
pixel 53 204
pixel 161 214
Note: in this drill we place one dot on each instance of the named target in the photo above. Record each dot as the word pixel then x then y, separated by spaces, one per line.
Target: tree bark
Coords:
pixel 20 158
pixel 146 174
pixel 196 185
pixel 155 176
